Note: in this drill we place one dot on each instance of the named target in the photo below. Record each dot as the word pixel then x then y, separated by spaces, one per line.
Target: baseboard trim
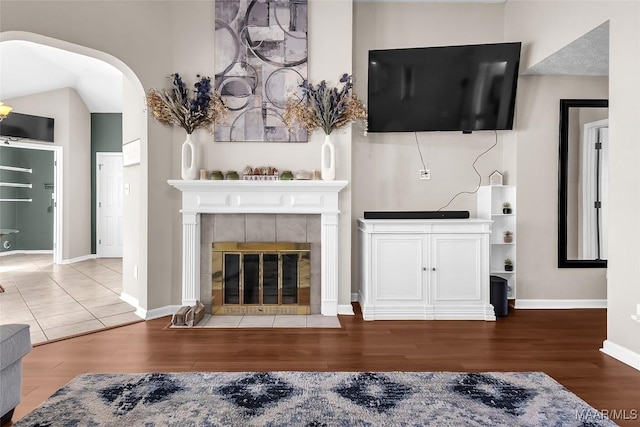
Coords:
pixel 345 309
pixel 156 313
pixel 559 304
pixel 79 259
pixel 129 299
pixel 621 353
pixel 27 252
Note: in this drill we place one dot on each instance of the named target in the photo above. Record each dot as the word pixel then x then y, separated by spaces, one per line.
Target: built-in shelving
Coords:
pixel 16 169
pixel 16 184
pixel 489 206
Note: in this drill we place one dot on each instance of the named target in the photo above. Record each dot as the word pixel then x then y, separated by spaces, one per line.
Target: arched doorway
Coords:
pixel 134 119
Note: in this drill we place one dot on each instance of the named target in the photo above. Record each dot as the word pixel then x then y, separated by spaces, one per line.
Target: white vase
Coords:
pixel 190 159
pixel 328 159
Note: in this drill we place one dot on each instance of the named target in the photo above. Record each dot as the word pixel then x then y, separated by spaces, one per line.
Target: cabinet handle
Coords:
pixel 433 269
pixel 424 268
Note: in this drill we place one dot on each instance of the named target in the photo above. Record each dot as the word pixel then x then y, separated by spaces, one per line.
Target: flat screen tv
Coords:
pixel 451 88
pixel 26 126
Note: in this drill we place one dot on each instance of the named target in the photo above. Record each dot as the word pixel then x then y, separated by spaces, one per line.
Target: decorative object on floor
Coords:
pixel 326 108
pixel 188 316
pixel 315 398
pixel 495 178
pixel 194 315
pixel 260 58
pixel 178 318
pixel 198 111
pixel 508 237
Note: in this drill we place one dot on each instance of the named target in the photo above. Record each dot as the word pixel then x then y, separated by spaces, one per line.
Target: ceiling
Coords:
pixel 586 56
pixel 27 68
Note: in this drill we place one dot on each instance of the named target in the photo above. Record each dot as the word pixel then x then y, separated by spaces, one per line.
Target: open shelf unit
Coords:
pixel 15 184
pixel 489 206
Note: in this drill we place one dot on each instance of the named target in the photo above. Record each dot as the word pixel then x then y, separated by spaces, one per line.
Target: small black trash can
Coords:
pixel 498 293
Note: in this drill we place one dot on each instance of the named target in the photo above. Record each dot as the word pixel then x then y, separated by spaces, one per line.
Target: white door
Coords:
pixel 109 204
pixel 595 184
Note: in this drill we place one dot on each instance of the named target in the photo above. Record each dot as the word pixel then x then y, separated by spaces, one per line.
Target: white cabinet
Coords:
pixel 424 269
pixel 490 206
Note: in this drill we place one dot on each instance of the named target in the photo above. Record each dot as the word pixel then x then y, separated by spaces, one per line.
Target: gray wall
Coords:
pixel 34 220
pixel 106 137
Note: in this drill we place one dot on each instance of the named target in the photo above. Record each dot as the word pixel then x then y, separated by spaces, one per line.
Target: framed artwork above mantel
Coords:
pixel 260 60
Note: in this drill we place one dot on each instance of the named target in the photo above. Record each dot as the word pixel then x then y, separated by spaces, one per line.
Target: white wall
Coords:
pixel 385 166
pixel 72 131
pixel 538 112
pixel 546 27
pixel 157 38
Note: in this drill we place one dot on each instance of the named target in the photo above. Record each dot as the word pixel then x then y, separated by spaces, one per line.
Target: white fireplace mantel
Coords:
pixel 271 197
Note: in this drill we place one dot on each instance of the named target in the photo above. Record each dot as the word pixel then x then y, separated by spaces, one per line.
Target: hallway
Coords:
pixel 59 301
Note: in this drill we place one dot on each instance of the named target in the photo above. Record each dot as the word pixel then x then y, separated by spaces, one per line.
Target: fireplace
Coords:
pixel 261 278
pixel 281 199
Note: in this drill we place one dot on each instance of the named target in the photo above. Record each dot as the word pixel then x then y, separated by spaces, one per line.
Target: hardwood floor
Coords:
pixel 562 343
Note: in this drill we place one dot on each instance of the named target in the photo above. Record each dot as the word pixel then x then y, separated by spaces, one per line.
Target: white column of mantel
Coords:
pixel 329 264
pixel 190 258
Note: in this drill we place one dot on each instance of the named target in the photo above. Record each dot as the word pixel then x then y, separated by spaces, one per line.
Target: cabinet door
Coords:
pixel 458 268
pixel 398 269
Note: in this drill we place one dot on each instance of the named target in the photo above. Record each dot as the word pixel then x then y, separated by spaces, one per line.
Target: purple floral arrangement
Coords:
pixel 324 107
pixel 190 109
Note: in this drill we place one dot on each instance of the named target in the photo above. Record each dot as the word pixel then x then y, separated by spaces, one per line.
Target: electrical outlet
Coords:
pixel 425 174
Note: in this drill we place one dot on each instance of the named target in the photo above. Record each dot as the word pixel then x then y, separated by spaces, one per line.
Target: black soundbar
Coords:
pixel 416 214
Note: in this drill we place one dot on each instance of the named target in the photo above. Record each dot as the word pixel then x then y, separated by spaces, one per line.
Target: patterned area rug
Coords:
pixel 315 399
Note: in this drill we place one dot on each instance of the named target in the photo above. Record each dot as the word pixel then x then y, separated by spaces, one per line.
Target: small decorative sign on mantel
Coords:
pixel 495 178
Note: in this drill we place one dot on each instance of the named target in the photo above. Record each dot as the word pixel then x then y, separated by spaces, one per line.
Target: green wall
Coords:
pixel 8 212
pixel 106 136
pixel 34 220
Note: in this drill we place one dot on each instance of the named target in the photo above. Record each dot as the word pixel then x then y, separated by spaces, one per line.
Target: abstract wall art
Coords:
pixel 260 60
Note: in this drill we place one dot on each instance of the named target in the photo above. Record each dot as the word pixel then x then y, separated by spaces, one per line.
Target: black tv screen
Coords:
pixel 450 88
pixel 25 126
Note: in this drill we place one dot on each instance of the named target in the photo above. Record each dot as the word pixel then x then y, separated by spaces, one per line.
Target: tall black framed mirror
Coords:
pixel 583 183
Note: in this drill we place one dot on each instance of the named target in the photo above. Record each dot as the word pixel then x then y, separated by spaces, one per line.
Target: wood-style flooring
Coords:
pixel 562 343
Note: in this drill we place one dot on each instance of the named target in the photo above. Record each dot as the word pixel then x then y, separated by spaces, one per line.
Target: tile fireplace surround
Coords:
pixel 262 197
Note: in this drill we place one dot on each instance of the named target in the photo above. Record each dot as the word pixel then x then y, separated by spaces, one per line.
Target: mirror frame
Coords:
pixel 563 170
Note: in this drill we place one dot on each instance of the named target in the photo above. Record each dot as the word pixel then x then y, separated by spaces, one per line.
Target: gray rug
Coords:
pixel 315 399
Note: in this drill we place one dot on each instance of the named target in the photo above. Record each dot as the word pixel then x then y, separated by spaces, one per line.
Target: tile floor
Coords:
pixel 62 300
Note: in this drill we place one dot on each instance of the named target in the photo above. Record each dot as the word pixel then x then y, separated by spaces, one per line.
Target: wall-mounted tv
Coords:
pixel 25 126
pixel 450 88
